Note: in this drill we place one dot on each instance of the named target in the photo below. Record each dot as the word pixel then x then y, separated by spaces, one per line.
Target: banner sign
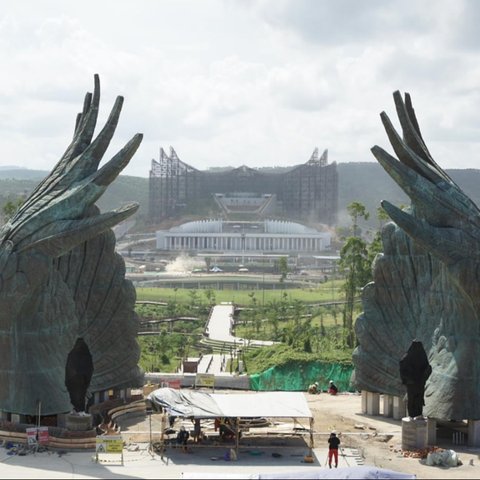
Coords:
pixel 31 436
pixel 205 380
pixel 109 444
pixel 43 436
pixel 37 435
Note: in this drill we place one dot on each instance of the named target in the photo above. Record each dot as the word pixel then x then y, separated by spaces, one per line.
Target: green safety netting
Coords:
pixel 296 376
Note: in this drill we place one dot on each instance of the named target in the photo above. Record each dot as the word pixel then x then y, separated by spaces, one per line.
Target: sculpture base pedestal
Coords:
pixel 399 409
pixel 78 423
pixel 414 433
pixel 473 433
pixel 387 405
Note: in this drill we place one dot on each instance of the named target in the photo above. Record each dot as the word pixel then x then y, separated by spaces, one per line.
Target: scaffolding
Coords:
pixel 172 184
pixel 308 192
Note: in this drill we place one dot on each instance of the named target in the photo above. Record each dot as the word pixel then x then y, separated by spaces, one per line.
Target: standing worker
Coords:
pixel 197 431
pixel 333 443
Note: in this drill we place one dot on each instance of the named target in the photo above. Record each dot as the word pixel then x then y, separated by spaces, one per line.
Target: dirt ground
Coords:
pixel 375 438
pixel 379 438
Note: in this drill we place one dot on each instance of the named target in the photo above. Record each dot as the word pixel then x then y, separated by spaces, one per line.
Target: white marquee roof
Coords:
pixel 188 403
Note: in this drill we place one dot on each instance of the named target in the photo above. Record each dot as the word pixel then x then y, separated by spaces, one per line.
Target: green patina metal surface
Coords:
pixel 61 280
pixel 426 284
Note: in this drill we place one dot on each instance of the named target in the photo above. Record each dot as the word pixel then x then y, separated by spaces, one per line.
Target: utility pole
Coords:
pixel 263 288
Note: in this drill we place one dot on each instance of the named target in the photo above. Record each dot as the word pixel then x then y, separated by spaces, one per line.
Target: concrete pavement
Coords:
pixel 219 329
pixel 142 464
pixel 211 363
pixel 220 325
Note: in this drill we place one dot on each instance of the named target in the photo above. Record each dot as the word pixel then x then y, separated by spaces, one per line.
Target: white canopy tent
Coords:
pixel 201 405
pixel 188 403
pixel 264 404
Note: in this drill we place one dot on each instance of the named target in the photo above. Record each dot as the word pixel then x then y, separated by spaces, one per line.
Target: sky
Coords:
pixel 240 82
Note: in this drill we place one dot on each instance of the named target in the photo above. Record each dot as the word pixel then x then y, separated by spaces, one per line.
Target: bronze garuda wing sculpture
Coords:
pixel 61 280
pixel 427 282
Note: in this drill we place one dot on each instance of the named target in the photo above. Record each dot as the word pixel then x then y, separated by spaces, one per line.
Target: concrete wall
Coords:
pixel 234 382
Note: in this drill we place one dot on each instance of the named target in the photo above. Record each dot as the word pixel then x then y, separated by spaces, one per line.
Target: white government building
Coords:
pixel 267 236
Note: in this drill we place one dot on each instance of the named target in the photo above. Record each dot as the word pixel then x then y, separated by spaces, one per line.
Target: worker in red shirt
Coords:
pixel 333 443
pixel 332 388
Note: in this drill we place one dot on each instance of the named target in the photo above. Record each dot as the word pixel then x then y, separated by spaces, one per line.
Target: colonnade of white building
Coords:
pixel 242 242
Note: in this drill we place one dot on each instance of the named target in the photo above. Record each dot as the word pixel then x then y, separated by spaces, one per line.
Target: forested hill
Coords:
pixel 361 182
pixel 125 189
pixel 368 183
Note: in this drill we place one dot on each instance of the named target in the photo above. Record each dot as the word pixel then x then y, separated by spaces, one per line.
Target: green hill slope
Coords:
pixel 363 182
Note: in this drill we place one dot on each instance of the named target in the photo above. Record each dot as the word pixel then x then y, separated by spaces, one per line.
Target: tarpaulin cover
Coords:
pixel 297 376
pixel 188 403
pixel 185 403
pixel 364 472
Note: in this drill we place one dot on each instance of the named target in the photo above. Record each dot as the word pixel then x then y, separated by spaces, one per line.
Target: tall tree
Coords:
pixel 376 245
pixel 210 296
pixel 356 264
pixel 357 210
pixel 283 268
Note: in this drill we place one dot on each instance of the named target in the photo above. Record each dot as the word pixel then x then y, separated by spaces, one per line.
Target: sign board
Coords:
pixel 32 436
pixel 43 436
pixel 106 445
pixel 205 380
pixel 37 435
pixel 109 444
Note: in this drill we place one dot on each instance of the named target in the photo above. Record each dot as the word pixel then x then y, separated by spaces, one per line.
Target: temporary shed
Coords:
pixel 202 405
pixel 191 403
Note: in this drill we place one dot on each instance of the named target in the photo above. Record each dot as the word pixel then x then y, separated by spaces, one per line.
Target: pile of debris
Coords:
pixel 23 449
pixel 418 453
pixel 431 456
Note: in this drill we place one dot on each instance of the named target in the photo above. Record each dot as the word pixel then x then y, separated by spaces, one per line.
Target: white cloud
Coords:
pixel 230 83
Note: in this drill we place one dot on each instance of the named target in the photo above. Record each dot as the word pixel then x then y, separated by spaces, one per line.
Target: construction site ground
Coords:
pixel 379 438
pixel 366 440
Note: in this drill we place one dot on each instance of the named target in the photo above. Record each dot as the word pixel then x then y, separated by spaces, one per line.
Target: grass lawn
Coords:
pixel 326 292
pixel 295 317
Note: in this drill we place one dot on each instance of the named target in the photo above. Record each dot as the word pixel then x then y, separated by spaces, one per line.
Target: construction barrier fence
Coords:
pixel 297 376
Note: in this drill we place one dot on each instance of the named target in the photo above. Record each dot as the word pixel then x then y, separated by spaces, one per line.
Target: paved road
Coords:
pixel 219 328
pixel 212 363
pixel 220 325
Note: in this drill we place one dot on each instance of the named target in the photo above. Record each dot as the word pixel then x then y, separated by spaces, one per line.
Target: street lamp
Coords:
pixel 149 413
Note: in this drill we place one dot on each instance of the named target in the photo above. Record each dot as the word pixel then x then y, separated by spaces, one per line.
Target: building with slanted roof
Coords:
pixel 307 192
